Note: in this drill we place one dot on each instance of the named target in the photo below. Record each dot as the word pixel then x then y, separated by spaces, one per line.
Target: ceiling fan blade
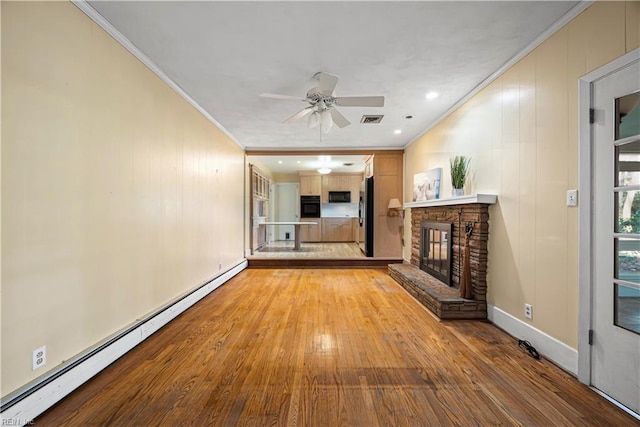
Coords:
pixel 340 120
pixel 327 83
pixel 360 101
pixel 300 114
pixel 285 97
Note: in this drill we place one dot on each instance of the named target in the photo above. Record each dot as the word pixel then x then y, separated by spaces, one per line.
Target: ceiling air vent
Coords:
pixel 366 119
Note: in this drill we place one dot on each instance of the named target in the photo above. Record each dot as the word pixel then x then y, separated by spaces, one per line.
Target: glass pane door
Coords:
pixel 626 236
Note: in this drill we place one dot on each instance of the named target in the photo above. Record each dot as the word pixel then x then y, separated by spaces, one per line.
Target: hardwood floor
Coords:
pixel 328 347
pixel 284 249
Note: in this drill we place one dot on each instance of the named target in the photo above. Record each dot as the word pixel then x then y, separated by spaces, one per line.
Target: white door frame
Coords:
pixel 585 209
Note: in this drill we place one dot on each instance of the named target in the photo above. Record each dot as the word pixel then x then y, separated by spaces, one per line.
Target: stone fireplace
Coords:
pixel 459 216
pixel 453 217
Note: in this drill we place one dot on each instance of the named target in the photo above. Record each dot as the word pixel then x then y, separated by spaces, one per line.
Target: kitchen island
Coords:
pixel 296 224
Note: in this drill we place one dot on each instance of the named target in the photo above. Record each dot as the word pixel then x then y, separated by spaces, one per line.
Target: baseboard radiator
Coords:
pixel 22 406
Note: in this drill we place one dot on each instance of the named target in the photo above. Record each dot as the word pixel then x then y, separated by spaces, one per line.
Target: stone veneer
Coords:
pixel 442 300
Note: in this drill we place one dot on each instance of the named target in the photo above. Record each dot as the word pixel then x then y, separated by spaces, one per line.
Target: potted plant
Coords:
pixel 459 169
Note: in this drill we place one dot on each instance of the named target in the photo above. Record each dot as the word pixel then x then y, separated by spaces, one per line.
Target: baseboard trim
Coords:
pixel 551 348
pixel 24 405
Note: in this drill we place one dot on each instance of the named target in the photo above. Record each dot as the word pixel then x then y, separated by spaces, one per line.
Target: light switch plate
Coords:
pixel 572 197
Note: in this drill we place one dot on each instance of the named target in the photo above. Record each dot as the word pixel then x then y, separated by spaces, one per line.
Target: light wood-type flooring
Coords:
pixel 284 249
pixel 329 347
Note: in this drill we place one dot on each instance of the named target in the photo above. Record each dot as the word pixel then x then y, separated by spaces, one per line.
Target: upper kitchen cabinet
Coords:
pixel 259 207
pixel 260 184
pixel 338 182
pixel 354 186
pixel 310 185
pixel 341 182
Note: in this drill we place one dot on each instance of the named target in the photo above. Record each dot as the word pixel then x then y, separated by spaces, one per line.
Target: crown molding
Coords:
pixel 120 38
pixel 551 30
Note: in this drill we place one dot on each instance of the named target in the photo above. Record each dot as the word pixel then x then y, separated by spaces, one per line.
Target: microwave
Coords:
pixel 339 196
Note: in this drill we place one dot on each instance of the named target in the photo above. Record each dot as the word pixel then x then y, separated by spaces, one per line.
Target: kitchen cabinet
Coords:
pixel 260 185
pixel 387 173
pixel 311 233
pixel 338 182
pixel 355 224
pixel 354 187
pixel 368 168
pixel 259 207
pixel 310 185
pixel 337 229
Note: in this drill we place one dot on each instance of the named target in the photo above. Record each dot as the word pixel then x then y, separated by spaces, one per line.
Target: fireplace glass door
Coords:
pixel 435 250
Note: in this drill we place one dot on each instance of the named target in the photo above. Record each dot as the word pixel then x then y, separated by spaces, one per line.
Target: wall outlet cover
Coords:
pixel 528 311
pixel 39 357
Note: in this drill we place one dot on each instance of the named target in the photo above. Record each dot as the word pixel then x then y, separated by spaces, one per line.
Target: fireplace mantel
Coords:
pixel 487 199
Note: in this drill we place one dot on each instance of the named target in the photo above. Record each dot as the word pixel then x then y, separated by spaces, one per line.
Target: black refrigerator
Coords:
pixel 366 217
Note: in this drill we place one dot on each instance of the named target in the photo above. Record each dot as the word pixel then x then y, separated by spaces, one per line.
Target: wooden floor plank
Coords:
pixel 304 347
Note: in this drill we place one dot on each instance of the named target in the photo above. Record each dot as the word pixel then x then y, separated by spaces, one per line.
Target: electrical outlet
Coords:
pixel 572 197
pixel 39 357
pixel 528 311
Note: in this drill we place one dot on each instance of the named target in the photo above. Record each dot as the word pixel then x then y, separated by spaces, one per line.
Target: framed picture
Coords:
pixel 426 185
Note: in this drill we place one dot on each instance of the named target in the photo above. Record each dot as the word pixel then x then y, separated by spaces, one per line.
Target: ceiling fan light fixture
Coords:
pixel 324 170
pixel 322 103
pixel 326 121
pixel 314 119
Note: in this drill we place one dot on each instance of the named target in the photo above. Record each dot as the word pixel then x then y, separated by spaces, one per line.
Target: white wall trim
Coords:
pixel 584 231
pixel 564 20
pixel 585 227
pixel 120 38
pixel 548 347
pixel 43 393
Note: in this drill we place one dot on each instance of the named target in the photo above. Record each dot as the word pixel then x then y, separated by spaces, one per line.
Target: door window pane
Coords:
pixel 628 164
pixel 628 115
pixel 628 259
pixel 628 212
pixel 627 307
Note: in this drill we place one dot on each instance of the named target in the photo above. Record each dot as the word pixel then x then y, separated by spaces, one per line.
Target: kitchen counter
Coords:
pixel 296 224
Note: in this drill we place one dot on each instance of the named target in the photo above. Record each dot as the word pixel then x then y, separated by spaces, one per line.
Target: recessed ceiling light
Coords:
pixel 298 162
pixel 279 162
pixel 397 131
pixel 432 95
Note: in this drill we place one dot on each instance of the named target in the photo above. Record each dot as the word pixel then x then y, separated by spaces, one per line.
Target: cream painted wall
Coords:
pixel 522 134
pixel 116 193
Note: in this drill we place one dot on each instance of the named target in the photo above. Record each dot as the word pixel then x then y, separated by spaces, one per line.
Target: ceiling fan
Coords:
pixel 322 103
